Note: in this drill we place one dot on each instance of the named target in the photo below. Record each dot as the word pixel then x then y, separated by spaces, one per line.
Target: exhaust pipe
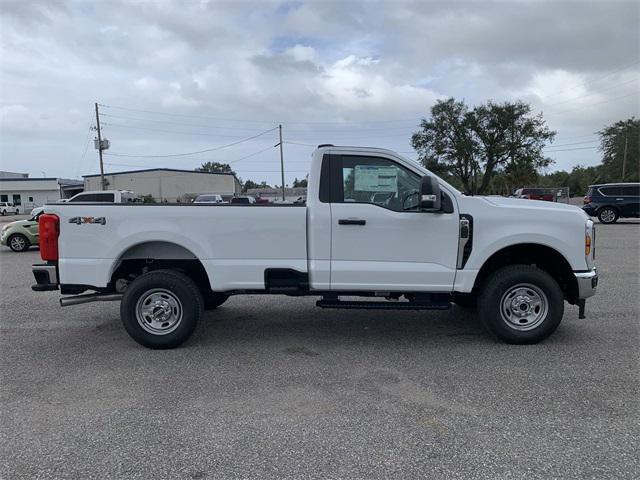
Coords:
pixel 90 297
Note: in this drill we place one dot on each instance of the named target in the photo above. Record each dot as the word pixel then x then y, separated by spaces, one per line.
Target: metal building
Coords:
pixel 167 184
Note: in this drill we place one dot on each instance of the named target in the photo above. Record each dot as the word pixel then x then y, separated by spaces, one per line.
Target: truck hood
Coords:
pixel 530 204
pixel 531 207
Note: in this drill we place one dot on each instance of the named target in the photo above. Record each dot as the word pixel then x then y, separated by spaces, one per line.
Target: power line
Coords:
pixel 569 144
pixel 87 141
pixel 570 149
pixel 171 131
pixel 213 149
pixel 250 155
pixel 224 119
pixel 176 123
pixel 596 93
pixel 194 171
pixel 595 104
pixel 303 144
pixel 594 80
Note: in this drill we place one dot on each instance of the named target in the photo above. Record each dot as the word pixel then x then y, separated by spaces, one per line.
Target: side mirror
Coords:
pixel 430 197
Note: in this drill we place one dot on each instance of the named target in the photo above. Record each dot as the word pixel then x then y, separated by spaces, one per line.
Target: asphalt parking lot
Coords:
pixel 272 387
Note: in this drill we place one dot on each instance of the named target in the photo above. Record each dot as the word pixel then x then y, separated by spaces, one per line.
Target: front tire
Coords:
pixel 521 304
pixel 18 242
pixel 607 215
pixel 160 309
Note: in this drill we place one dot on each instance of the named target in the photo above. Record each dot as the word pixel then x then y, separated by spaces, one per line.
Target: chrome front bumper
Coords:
pixel 587 283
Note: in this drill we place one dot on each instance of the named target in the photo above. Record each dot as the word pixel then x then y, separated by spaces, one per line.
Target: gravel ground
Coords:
pixel 272 387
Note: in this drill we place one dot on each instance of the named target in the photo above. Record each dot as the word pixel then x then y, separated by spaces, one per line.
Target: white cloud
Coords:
pixel 297 62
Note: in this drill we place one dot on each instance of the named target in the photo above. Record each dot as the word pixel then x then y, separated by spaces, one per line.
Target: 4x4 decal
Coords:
pixel 81 220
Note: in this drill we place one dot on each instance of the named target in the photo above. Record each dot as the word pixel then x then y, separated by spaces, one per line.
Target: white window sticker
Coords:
pixel 376 178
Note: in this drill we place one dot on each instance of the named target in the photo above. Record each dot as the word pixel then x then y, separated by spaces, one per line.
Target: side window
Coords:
pixel 89 197
pixel 103 197
pixel 631 191
pixel 379 181
pixel 607 191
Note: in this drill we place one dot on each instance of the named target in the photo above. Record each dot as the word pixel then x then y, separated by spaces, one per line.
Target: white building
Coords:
pixel 167 184
pixel 13 175
pixel 28 193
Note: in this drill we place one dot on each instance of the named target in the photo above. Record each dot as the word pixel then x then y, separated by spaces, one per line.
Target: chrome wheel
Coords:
pixel 18 243
pixel 159 311
pixel 607 216
pixel 524 307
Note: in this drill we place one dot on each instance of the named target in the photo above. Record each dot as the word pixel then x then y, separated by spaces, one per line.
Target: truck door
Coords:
pixel 378 242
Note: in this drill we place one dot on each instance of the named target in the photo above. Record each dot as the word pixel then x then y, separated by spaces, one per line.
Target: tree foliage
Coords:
pixel 215 167
pixel 614 140
pixel 299 183
pixel 251 184
pixel 473 145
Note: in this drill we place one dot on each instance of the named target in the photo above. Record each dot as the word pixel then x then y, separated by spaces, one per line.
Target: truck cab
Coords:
pixel 376 227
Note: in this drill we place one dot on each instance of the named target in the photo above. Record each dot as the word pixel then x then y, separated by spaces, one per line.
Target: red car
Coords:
pixel 533 194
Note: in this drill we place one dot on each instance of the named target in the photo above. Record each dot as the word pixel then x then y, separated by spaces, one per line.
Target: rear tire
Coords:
pixel 521 304
pixel 608 215
pixel 161 309
pixel 18 242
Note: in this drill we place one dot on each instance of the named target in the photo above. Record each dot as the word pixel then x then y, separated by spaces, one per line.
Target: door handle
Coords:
pixel 351 221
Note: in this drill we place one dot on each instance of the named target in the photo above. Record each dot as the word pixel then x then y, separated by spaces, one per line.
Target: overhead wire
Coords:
pixel 176 123
pixel 185 154
pixel 135 127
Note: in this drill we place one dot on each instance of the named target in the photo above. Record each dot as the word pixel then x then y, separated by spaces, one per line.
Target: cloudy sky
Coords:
pixel 177 77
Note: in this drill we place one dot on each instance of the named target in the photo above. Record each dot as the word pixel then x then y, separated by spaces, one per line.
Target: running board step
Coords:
pixel 387 305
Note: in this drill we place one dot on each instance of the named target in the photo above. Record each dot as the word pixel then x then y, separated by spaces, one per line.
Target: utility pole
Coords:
pixel 100 148
pixel 281 160
pixel 624 156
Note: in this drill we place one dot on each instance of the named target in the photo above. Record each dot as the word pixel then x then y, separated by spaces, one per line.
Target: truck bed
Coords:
pixel 237 242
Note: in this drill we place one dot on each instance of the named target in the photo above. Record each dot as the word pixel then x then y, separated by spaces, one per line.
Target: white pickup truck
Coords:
pixel 376 227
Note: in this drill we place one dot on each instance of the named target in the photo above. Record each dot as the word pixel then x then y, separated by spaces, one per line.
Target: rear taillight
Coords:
pixel 586 200
pixel 49 229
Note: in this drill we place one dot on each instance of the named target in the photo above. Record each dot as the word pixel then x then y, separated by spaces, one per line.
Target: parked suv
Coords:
pixel 7 207
pixel 611 201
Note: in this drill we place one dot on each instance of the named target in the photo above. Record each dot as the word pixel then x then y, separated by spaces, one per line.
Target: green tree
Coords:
pixel 215 167
pixel 300 183
pixel 250 184
pixel 474 145
pixel 614 140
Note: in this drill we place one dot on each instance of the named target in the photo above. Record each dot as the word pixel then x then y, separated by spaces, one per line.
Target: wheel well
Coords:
pixel 543 257
pixel 149 256
pixel 612 207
